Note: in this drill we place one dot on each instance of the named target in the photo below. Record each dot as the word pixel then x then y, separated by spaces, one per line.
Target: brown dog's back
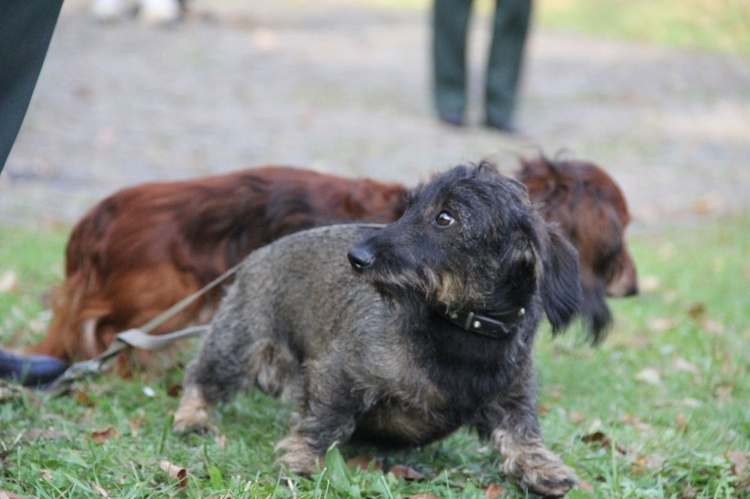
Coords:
pixel 144 248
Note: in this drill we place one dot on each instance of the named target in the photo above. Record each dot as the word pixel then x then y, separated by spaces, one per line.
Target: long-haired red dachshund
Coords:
pixel 144 248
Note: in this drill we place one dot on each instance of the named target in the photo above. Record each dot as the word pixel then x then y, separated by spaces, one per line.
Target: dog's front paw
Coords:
pixel 183 426
pixel 192 415
pixel 533 466
pixel 539 470
pixel 298 456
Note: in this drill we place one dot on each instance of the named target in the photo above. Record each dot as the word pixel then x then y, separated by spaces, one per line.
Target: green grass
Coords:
pixel 32 260
pixel 712 25
pixel 669 388
pixel 722 25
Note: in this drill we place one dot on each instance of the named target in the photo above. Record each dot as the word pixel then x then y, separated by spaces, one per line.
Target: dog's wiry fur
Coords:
pixel 370 355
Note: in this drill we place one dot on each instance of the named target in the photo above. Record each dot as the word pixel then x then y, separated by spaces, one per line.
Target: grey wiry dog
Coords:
pixel 432 330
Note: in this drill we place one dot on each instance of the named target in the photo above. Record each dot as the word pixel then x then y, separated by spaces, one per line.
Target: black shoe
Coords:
pixel 502 127
pixel 30 370
pixel 452 119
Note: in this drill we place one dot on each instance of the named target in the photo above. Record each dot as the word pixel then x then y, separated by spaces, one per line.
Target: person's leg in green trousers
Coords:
pixel 510 30
pixel 450 24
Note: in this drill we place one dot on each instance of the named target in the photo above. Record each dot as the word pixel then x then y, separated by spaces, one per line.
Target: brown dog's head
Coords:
pixel 591 211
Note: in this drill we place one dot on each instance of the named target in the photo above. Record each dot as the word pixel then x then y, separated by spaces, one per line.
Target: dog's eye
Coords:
pixel 444 219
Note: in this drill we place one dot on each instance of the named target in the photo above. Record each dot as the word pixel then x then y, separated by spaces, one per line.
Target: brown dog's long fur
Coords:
pixel 591 210
pixel 144 248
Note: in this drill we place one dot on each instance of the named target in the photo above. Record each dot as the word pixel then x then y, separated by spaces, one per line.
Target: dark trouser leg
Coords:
pixel 26 28
pixel 506 59
pixel 450 23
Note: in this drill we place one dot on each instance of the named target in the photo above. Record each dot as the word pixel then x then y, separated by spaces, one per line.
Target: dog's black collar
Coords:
pixel 493 327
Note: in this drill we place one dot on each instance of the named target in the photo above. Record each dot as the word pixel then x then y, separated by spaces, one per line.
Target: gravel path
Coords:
pixel 343 86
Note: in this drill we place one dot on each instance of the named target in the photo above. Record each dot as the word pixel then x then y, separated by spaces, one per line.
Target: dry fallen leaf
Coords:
pixel 696 310
pixel 175 472
pixel 82 398
pixel 407 472
pixel 741 461
pixel 635 422
pixel 630 419
pixel 102 436
pixel 493 491
pixel 603 441
pixel 135 423
pixel 642 465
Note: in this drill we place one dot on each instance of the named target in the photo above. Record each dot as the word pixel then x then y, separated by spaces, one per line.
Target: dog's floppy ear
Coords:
pixel 594 310
pixel 560 282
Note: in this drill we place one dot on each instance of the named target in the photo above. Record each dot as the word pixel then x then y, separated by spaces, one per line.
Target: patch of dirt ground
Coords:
pixel 343 86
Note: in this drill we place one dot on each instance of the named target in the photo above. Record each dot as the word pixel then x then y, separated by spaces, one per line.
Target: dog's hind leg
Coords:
pixel 512 426
pixel 202 390
pixel 216 376
pixel 274 370
pixel 236 354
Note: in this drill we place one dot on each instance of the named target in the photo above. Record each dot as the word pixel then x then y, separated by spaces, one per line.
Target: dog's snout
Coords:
pixel 360 258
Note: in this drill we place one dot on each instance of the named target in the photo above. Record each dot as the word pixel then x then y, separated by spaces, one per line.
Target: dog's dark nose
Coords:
pixel 360 258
